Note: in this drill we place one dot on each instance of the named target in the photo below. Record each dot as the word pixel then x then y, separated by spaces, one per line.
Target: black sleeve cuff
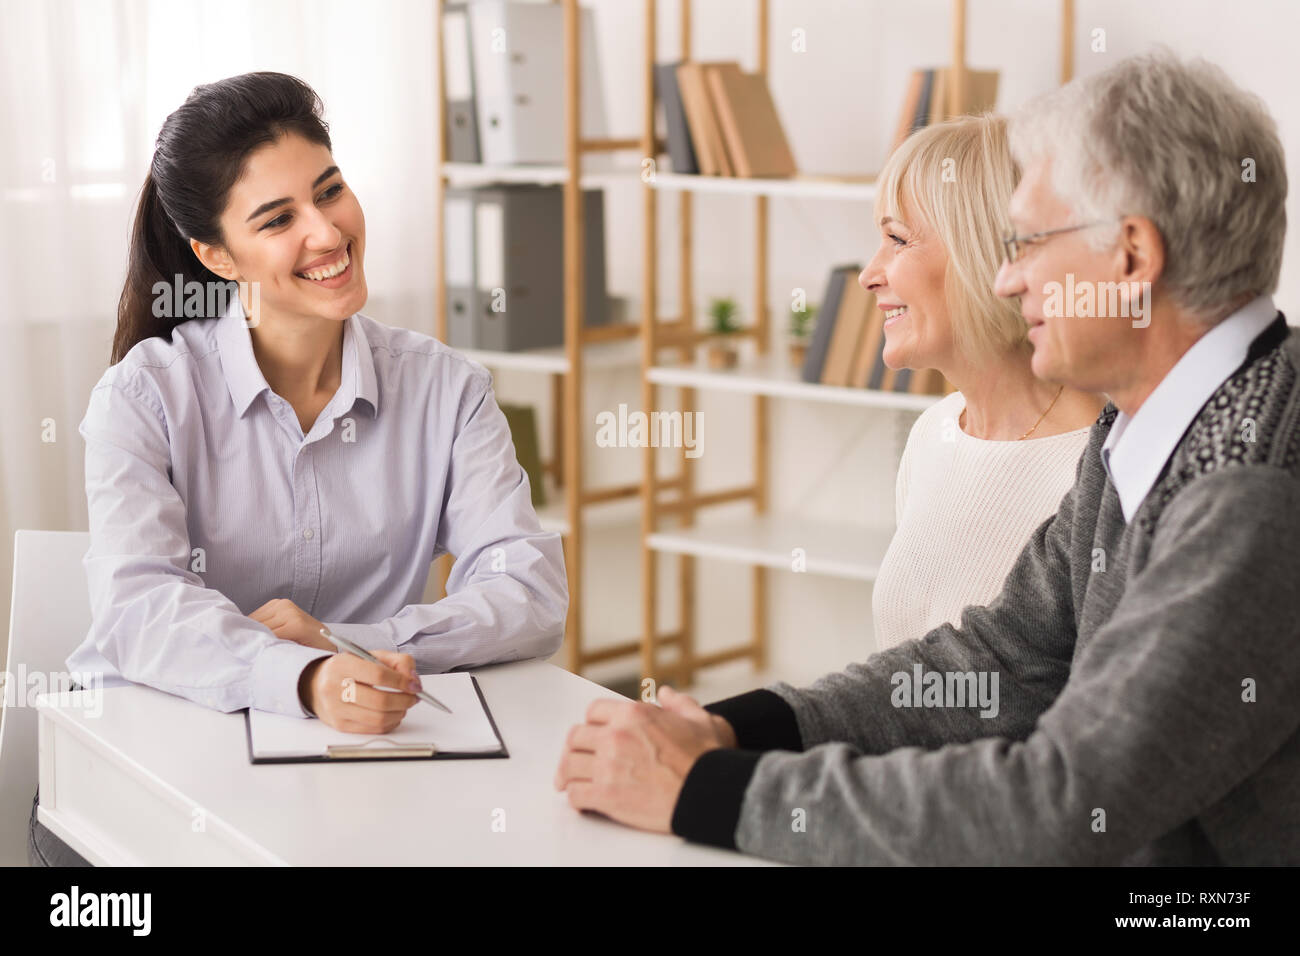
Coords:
pixel 762 721
pixel 708 808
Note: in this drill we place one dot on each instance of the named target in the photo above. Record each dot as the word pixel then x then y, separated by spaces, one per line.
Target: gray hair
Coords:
pixel 1182 145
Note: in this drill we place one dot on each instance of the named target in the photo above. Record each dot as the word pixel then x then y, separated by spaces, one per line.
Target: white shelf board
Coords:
pixel 477 174
pixel 774 375
pixel 830 548
pixel 798 187
pixel 623 353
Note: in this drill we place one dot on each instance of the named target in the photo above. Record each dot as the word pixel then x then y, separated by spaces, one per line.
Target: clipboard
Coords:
pixel 295 740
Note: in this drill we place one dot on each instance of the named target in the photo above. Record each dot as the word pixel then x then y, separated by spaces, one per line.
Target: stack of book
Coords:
pixel 928 93
pixel 848 343
pixel 722 121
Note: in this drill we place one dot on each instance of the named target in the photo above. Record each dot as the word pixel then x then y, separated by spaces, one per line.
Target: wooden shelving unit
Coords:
pixel 763 541
pixel 611 346
pixel 665 350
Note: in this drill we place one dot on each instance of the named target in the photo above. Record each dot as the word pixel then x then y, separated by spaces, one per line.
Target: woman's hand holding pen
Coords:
pixel 341 691
pixel 289 622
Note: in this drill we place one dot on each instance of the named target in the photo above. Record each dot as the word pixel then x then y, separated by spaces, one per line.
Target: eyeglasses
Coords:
pixel 1015 245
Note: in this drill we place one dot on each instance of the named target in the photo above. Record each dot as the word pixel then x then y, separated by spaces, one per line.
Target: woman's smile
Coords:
pixel 894 315
pixel 332 272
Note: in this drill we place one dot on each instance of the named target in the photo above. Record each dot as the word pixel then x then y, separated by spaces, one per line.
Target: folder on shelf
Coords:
pixel 751 129
pixel 681 151
pixel 517 59
pixel 459 111
pixel 469 731
pixel 505 266
pixel 458 257
pixel 710 150
pixel 855 305
pixel 815 358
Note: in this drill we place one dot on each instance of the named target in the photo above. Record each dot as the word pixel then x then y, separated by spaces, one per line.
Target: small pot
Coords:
pixel 722 355
pixel 798 352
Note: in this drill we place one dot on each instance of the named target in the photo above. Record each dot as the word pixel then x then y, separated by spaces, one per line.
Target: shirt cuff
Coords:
pixel 708 808
pixel 373 637
pixel 275 677
pixel 761 719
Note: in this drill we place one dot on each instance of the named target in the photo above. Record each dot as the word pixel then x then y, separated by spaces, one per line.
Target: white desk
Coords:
pixel 155 779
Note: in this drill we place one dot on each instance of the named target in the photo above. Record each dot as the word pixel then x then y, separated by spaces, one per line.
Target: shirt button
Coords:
pixel 308 534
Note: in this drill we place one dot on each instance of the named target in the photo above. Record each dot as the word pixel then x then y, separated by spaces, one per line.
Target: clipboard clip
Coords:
pixel 352 751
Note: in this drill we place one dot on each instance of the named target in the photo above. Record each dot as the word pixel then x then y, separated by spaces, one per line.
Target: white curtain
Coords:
pixel 85 87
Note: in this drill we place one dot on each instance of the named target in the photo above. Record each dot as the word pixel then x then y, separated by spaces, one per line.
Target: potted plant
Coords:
pixel 802 322
pixel 722 326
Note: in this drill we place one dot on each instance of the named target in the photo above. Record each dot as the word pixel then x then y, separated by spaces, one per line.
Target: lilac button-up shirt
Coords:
pixel 207 500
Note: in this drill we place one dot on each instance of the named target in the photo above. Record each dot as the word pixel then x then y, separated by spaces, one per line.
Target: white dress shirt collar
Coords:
pixel 1137 447
pixel 244 376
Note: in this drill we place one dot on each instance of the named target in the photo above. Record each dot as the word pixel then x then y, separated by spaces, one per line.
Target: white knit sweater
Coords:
pixel 965 508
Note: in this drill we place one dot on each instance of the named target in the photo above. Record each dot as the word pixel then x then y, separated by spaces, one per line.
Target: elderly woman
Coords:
pixel 986 465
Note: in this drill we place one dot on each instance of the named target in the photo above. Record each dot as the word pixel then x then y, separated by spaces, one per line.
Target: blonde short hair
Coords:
pixel 958 177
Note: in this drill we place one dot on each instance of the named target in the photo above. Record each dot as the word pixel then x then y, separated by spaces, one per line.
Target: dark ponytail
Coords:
pixel 199 156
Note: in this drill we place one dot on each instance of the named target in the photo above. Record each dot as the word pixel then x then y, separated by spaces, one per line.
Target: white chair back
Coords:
pixel 49 617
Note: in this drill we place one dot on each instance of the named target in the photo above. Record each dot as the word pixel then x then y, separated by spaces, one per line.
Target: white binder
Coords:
pixel 518 67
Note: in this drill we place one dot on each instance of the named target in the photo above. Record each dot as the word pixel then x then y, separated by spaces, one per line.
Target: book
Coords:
pixel 922 114
pixel 980 95
pixel 938 98
pixel 681 150
pixel 911 101
pixel 881 374
pixel 755 141
pixel 925 100
pixel 855 305
pixel 522 420
pixel 869 345
pixel 815 358
pixel 710 150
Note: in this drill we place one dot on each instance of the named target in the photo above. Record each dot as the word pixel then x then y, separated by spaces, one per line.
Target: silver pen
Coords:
pixel 347 647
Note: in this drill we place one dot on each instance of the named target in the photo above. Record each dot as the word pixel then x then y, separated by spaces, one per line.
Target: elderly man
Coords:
pixel 1146 643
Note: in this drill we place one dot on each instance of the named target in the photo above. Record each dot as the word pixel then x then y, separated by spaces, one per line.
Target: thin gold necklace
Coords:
pixel 1042 416
pixel 1036 424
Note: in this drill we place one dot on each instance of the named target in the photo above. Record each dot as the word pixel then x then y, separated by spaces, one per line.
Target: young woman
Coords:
pixel 250 477
pixel 986 465
pixel 290 464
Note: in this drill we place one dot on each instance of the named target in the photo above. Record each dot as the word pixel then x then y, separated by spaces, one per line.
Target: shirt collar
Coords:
pixel 244 376
pixel 1137 446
